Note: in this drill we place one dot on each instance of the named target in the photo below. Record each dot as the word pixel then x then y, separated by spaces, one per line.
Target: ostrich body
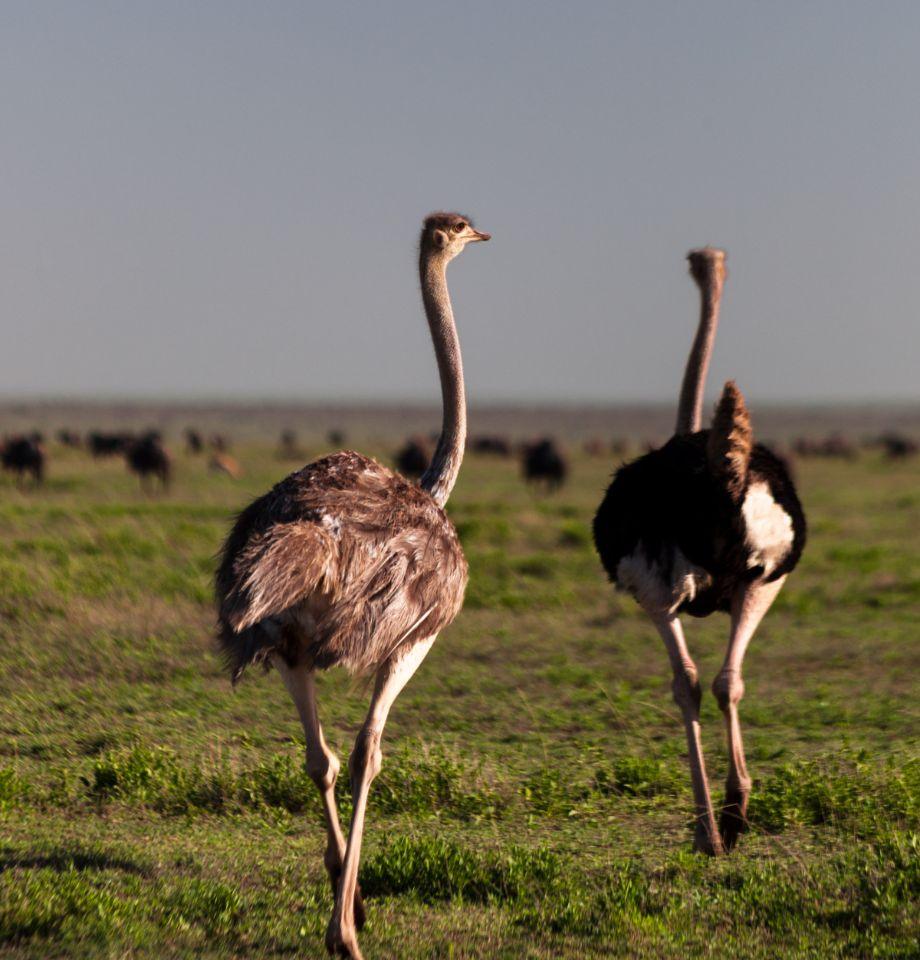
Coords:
pixel 710 521
pixel 347 563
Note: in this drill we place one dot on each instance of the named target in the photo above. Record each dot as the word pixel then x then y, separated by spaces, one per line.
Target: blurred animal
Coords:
pixel 834 446
pixel 194 442
pixel 413 457
pixel 347 563
pixel 711 521
pixel 69 438
pixel 492 445
pixel 24 455
pixel 147 458
pixel 545 464
pixel 220 442
pixel 288 448
pixel 897 447
pixel 335 438
pixel 108 444
pixel 594 447
pixel 225 464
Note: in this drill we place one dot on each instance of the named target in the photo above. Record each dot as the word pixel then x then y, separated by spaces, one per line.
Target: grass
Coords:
pixel 534 799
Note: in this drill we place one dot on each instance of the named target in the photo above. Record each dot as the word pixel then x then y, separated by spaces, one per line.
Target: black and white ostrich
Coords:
pixel 710 521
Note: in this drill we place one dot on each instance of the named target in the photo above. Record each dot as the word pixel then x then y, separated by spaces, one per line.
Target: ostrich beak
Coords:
pixel 476 235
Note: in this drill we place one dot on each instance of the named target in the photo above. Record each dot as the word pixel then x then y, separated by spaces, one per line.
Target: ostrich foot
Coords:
pixel 360 912
pixel 342 941
pixel 706 839
pixel 733 819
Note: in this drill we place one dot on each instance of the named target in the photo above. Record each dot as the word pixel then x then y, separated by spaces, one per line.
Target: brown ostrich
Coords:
pixel 347 563
pixel 710 521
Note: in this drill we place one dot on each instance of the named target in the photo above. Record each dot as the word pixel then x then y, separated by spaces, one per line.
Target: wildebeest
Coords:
pixel 898 447
pixel 24 455
pixel 102 444
pixel 491 444
pixel 69 438
pixel 545 464
pixel 413 458
pixel 194 442
pixel 147 458
pixel 288 448
pixel 834 446
pixel 336 438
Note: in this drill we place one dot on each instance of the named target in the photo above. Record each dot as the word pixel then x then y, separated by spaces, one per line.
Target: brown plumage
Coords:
pixel 731 440
pixel 341 563
pixel 347 563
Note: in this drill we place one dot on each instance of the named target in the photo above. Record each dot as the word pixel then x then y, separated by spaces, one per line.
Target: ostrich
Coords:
pixel 347 563
pixel 147 458
pixel 710 521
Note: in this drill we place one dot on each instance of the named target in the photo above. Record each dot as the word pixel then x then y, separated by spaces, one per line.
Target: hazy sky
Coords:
pixel 223 198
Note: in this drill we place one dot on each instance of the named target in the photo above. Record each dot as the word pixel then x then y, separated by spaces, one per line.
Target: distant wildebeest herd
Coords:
pixel 348 563
pixel 545 464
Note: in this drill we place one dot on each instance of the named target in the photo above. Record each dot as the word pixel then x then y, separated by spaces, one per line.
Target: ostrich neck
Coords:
pixel 441 475
pixel 690 407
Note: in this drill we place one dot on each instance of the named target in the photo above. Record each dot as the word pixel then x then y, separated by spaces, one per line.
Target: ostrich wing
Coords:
pixel 279 569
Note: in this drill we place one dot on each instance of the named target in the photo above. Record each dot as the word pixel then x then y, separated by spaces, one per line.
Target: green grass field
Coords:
pixel 534 799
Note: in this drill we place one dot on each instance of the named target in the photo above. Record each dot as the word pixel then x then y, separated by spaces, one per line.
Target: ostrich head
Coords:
pixel 707 267
pixel 446 234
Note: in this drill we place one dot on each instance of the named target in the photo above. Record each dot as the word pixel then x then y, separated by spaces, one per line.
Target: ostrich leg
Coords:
pixel 323 768
pixel 749 605
pixel 364 765
pixel 687 693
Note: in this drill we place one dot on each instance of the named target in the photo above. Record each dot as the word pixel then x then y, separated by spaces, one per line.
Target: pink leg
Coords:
pixel 687 694
pixel 323 768
pixel 364 765
pixel 748 608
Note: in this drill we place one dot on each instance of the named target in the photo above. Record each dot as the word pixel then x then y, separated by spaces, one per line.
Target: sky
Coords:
pixel 222 199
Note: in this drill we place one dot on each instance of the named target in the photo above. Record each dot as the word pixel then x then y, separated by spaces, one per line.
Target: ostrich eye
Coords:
pixel 459 226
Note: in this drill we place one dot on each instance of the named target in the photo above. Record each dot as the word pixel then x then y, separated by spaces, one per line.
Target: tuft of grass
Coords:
pixel 852 796
pixel 431 869
pixel 13 789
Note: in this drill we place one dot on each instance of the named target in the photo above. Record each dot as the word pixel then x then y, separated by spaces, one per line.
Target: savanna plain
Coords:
pixel 534 800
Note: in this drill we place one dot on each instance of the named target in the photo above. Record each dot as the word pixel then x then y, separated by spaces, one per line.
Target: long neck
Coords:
pixel 690 407
pixel 441 475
